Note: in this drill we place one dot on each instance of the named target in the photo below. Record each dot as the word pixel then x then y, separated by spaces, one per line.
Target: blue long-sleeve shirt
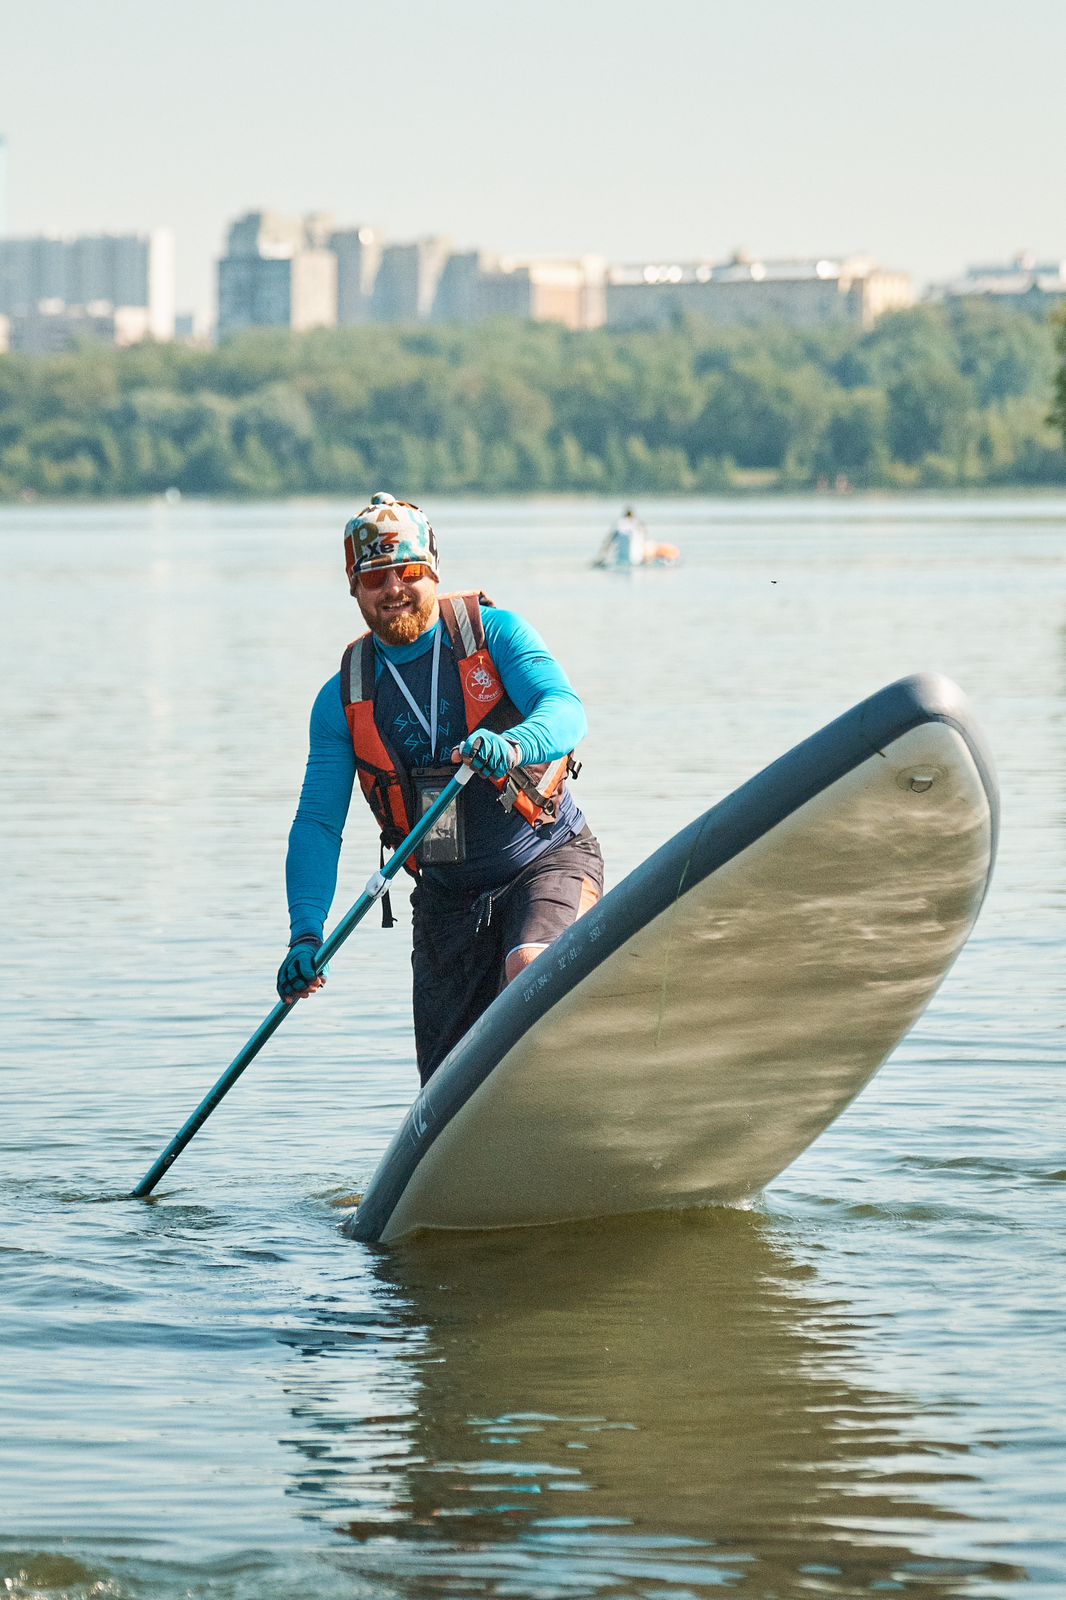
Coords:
pixel 553 722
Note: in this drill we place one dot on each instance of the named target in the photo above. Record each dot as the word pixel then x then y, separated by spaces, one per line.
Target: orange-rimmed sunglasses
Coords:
pixel 374 577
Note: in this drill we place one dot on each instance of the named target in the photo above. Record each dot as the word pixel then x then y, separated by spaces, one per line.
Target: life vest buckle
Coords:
pixel 518 785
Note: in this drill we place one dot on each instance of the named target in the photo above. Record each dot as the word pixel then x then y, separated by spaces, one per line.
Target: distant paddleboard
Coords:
pixel 687 1039
pixel 653 555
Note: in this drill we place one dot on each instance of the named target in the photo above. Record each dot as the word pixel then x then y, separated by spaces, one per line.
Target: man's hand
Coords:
pixel 488 753
pixel 296 975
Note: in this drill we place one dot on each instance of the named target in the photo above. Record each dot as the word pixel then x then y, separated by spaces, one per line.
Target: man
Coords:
pixel 627 543
pixel 439 680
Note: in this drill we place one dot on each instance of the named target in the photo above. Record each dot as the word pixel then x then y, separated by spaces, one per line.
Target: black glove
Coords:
pixel 297 975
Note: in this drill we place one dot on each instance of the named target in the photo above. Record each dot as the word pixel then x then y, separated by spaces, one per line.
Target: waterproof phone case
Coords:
pixel 445 843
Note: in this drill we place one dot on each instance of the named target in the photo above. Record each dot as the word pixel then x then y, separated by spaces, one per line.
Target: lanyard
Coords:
pixel 429 727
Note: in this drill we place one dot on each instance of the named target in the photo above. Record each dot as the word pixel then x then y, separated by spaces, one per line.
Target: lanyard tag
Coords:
pixel 445 843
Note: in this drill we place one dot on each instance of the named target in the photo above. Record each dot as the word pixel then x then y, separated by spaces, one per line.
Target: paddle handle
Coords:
pixel 375 888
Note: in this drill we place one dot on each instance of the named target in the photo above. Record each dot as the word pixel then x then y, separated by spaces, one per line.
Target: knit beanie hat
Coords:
pixel 388 533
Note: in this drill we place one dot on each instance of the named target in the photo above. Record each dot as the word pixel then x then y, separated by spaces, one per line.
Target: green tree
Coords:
pixel 273 431
pixel 758 414
pixel 1058 409
pixel 927 406
pixel 854 442
pixel 1003 353
pixel 935 395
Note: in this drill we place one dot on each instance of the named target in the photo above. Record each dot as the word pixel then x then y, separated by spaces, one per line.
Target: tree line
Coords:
pixel 940 396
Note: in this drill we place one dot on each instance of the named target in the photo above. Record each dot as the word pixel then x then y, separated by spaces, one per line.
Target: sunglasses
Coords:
pixel 410 573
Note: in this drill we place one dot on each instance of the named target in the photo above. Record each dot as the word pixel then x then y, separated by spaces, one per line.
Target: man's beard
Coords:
pixel 408 625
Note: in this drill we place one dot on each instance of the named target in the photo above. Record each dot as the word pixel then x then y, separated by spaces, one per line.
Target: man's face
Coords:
pixel 402 609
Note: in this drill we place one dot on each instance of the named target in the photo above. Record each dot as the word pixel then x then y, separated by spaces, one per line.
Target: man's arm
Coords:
pixel 315 836
pixel 553 718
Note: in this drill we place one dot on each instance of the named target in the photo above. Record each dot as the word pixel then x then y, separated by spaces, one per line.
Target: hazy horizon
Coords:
pixel 553 130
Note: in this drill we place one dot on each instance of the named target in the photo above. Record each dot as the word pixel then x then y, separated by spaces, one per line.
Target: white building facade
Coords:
pixel 800 293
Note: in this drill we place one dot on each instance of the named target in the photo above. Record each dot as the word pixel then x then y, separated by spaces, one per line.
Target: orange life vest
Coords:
pixel 534 791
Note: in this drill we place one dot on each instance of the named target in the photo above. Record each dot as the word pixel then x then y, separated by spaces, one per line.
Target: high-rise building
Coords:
pixel 32 269
pixel 253 292
pixel 118 271
pixel 278 272
pixel 358 252
pixel 460 289
pixel 407 279
pixel 265 235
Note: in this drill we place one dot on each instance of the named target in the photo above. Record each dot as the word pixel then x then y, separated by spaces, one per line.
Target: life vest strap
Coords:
pixel 534 791
pixel 535 800
pixel 460 617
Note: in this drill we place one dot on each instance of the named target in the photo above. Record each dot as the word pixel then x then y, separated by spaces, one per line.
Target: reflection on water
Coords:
pixel 662 1400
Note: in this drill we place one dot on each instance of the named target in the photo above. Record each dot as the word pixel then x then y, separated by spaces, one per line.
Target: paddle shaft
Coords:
pixel 371 894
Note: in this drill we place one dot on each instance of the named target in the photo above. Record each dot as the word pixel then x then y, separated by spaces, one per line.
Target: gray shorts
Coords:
pixel 462 941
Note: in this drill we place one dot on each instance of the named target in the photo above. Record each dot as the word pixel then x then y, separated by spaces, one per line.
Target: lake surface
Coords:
pixel 854 1388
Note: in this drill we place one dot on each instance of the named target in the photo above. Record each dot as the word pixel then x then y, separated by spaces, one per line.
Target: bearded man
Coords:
pixel 440 679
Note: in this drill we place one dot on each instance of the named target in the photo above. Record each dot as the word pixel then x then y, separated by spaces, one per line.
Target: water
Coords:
pixel 852 1389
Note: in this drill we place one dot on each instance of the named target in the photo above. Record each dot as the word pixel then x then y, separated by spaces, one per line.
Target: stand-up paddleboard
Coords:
pixel 653 555
pixel 684 1041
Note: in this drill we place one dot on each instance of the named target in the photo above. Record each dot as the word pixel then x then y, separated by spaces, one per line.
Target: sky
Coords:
pixel 926 133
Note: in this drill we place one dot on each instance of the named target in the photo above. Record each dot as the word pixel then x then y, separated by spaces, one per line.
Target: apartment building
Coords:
pixel 476 287
pixel 278 272
pixel 1022 284
pixel 408 278
pixel 122 273
pixel 358 252
pixel 801 293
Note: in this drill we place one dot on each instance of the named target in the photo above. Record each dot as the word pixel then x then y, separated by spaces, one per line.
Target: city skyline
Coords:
pixel 310 272
pixel 563 131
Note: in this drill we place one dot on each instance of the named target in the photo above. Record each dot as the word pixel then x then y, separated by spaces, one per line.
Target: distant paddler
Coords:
pixel 628 545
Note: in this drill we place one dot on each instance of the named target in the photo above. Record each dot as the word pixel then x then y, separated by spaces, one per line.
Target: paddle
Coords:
pixel 375 888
